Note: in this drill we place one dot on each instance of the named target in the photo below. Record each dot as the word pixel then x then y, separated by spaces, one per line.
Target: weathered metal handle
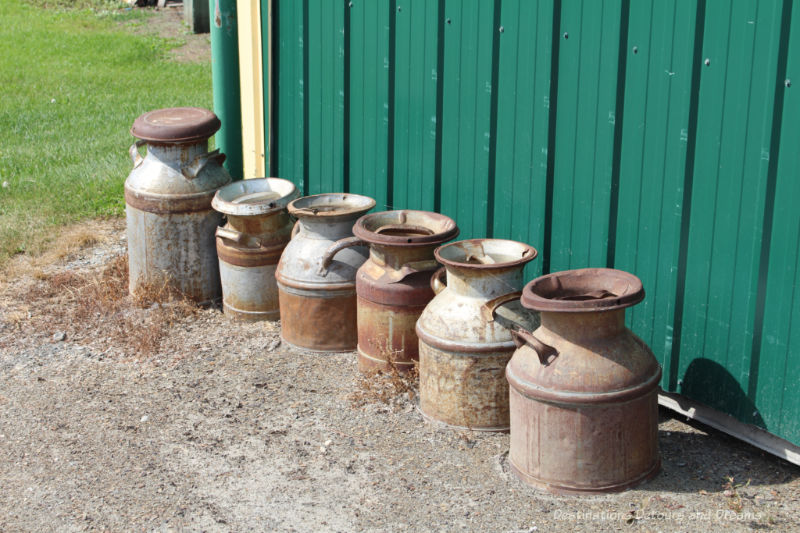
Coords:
pixel 545 352
pixel 490 308
pixel 136 157
pixel 191 170
pixel 335 248
pixel 438 280
pixel 230 234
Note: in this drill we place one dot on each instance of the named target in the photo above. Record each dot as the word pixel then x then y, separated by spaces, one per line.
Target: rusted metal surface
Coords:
pixel 170 223
pixel 463 350
pixel 322 320
pixel 393 285
pixel 250 244
pixel 316 278
pixel 176 125
pixel 584 406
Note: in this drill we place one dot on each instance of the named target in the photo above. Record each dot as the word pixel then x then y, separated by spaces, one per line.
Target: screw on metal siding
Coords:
pixel 399 8
pixel 349 4
pixel 566 35
pixel 635 49
pixel 680 382
pixel 448 21
pixel 502 29
pixel 707 62
pixel 788 83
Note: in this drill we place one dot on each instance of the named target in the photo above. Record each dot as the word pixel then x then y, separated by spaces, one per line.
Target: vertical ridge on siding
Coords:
pixel 415 105
pixel 325 88
pixel 656 133
pixel 369 98
pixel 588 66
pixel 779 364
pixel 467 113
pixel 523 91
pixel 731 165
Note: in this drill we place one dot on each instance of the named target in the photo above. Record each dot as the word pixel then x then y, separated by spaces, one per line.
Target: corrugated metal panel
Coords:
pixel 595 131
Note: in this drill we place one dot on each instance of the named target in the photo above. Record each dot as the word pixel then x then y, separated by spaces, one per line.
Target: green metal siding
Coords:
pixel 657 137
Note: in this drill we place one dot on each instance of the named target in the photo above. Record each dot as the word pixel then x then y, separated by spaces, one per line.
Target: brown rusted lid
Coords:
pixel 583 290
pixel 180 125
pixel 405 227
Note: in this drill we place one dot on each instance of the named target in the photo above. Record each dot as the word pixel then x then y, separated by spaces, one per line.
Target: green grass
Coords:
pixel 73 80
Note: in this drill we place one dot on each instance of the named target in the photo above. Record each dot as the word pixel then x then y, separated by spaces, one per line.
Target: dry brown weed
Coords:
pixel 97 303
pixel 385 385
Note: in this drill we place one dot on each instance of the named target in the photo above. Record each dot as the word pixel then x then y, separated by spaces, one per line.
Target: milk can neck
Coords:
pixel 585 325
pixel 326 228
pixel 397 256
pixel 485 283
pixel 177 154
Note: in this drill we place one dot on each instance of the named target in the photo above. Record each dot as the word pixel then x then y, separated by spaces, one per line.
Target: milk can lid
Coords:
pixel 583 290
pixel 176 125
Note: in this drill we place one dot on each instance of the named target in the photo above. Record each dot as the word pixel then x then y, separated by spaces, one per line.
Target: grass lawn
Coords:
pixel 73 81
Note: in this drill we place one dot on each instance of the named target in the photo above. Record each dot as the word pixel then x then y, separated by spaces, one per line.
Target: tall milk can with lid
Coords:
pixel 170 222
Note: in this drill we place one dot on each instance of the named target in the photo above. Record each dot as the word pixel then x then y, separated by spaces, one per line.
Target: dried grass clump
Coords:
pixel 385 385
pixel 97 304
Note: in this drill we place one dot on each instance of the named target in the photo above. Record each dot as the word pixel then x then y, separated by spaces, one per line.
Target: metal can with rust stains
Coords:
pixel 250 244
pixel 170 222
pixel 394 285
pixel 583 387
pixel 464 343
pixel 317 270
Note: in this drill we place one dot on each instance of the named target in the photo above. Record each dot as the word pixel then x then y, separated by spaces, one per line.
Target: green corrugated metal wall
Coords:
pixel 656 137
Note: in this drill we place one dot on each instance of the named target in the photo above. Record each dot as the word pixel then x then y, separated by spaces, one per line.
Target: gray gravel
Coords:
pixel 227 429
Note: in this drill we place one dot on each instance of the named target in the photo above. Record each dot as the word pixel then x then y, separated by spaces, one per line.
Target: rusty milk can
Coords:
pixel 464 345
pixel 170 222
pixel 317 271
pixel 394 285
pixel 583 388
pixel 250 244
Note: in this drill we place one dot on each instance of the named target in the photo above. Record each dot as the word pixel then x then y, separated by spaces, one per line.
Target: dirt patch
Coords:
pixel 167 23
pixel 223 428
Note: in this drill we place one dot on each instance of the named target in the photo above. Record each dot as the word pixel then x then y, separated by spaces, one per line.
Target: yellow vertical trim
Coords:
pixel 252 91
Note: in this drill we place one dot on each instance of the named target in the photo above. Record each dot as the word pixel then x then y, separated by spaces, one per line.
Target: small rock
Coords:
pixel 323 449
pixel 328 442
pixel 5 185
pixel 145 418
pixel 59 336
pixel 273 345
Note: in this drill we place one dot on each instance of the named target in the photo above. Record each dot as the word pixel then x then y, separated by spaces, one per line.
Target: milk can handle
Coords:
pixel 489 308
pixel 230 234
pixel 295 229
pixel 335 248
pixel 545 352
pixel 192 169
pixel 438 283
pixel 136 157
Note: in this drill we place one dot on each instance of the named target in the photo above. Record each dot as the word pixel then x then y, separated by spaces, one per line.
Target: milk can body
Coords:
pixel 170 222
pixel 583 388
pixel 316 273
pixel 394 285
pixel 464 344
pixel 257 230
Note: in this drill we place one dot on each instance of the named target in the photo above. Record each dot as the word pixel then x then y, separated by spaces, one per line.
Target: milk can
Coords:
pixel 317 270
pixel 394 285
pixel 464 344
pixel 583 388
pixel 170 223
pixel 250 244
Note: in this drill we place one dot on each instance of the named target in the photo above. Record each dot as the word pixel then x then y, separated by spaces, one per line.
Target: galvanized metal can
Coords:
pixel 583 388
pixel 394 285
pixel 464 343
pixel 250 244
pixel 317 270
pixel 170 222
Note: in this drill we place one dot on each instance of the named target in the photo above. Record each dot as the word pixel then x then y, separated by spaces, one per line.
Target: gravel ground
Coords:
pixel 223 428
